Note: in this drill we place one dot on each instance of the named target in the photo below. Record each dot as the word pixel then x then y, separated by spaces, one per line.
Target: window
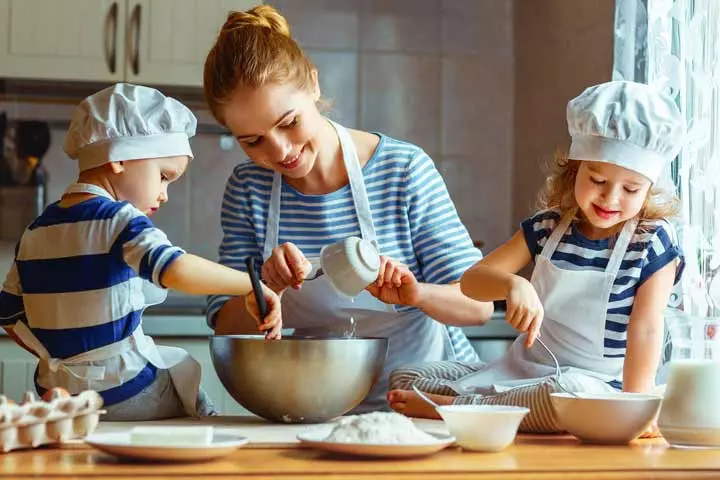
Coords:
pixel 675 45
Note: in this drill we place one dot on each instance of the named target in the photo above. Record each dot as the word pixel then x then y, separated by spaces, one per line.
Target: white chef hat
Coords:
pixel 629 124
pixel 128 122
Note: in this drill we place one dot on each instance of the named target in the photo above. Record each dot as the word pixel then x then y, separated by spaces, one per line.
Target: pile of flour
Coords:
pixel 378 428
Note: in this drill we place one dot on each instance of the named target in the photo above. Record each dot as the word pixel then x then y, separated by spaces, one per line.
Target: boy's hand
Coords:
pixel 395 284
pixel 271 325
pixel 524 309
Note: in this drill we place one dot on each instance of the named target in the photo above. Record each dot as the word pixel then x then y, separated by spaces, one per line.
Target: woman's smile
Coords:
pixel 293 162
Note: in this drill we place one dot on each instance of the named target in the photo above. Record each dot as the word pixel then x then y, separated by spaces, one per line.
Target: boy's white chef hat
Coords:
pixel 128 122
pixel 629 124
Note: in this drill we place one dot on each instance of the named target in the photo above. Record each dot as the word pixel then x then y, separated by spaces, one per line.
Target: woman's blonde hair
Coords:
pixel 253 48
pixel 559 192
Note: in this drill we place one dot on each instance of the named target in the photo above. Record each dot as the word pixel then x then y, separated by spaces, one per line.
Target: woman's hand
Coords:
pixel 524 309
pixel 395 284
pixel 271 325
pixel 286 267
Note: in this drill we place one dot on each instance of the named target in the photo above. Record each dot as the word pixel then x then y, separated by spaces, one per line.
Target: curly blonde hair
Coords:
pixel 559 192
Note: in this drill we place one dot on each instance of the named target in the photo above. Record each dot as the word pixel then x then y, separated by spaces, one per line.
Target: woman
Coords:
pixel 311 183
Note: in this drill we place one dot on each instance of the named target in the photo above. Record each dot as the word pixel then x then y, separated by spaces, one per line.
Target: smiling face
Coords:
pixel 144 183
pixel 608 195
pixel 277 125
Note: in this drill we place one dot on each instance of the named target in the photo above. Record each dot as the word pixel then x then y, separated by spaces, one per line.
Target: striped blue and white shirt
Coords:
pixel 414 218
pixel 652 246
pixel 78 282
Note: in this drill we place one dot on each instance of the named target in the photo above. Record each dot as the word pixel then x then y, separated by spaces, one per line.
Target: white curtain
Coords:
pixel 675 45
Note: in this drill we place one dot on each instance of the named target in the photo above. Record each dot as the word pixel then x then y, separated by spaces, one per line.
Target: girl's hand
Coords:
pixel 286 267
pixel 271 325
pixel 395 284
pixel 524 309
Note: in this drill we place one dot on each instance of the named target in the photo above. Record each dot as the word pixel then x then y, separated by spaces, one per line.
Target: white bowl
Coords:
pixel 483 428
pixel 610 418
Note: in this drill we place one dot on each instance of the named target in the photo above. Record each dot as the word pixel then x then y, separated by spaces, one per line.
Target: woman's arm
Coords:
pixel 447 304
pixel 646 330
pixel 233 318
pixel 442 246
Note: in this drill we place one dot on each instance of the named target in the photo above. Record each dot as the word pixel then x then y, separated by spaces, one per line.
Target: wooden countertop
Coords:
pixel 532 456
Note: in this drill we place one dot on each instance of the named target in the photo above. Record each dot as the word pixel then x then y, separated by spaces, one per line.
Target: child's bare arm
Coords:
pixel 195 275
pixel 491 278
pixel 494 278
pixel 645 330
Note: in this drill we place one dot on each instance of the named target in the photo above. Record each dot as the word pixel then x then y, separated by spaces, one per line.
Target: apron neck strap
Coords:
pixel 619 249
pixel 89 188
pixel 357 189
pixel 554 240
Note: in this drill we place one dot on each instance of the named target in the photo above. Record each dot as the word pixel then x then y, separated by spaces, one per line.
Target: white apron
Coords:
pixel 317 309
pixel 575 304
pixel 75 373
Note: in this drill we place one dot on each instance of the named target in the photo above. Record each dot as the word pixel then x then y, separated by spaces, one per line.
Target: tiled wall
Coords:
pixel 481 85
pixel 561 47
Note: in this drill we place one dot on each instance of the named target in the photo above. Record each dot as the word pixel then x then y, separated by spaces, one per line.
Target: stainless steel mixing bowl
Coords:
pixel 298 379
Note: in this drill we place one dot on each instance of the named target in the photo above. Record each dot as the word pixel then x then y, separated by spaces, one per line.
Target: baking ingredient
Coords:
pixel 171 435
pixel 378 428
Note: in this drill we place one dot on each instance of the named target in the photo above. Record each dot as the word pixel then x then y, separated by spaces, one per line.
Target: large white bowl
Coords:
pixel 610 418
pixel 483 428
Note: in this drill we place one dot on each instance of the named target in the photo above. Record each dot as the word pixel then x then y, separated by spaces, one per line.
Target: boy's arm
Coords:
pixel 148 251
pixel 197 276
pixel 12 307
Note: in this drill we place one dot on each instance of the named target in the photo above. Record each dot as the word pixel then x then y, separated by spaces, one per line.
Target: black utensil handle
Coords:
pixel 257 286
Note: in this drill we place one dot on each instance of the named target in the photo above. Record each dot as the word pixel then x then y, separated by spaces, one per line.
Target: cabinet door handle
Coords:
pixel 111 42
pixel 134 49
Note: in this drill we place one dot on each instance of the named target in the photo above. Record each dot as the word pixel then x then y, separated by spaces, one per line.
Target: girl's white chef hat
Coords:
pixel 128 122
pixel 629 124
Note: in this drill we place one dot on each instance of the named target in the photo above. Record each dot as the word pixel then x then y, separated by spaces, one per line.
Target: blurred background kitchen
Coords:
pixel 481 85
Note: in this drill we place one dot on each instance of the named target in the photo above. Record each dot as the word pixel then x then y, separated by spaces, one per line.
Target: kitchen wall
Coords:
pixel 481 85
pixel 561 47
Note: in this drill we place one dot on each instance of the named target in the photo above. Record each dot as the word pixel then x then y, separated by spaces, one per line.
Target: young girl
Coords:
pixel 605 261
pixel 87 267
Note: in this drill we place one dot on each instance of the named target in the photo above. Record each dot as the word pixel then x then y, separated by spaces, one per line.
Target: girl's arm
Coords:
pixel 646 330
pixel 493 276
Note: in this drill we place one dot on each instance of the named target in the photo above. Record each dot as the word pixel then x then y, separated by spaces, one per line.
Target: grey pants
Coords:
pixel 157 401
pixel 434 377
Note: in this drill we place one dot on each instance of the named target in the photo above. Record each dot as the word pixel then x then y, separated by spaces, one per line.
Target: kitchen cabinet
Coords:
pixel 139 41
pixel 63 40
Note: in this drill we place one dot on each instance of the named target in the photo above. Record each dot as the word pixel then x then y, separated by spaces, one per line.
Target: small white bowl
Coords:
pixel 609 418
pixel 483 428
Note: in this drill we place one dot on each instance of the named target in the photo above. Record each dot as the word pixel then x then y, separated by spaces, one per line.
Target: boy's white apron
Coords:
pixel 317 309
pixel 575 304
pixel 111 366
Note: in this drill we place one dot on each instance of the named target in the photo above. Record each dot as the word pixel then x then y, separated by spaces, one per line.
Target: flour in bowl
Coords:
pixel 378 428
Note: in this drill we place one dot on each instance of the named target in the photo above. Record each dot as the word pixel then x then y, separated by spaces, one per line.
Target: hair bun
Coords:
pixel 261 16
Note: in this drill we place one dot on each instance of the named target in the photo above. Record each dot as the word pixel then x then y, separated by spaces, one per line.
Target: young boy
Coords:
pixel 89 265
